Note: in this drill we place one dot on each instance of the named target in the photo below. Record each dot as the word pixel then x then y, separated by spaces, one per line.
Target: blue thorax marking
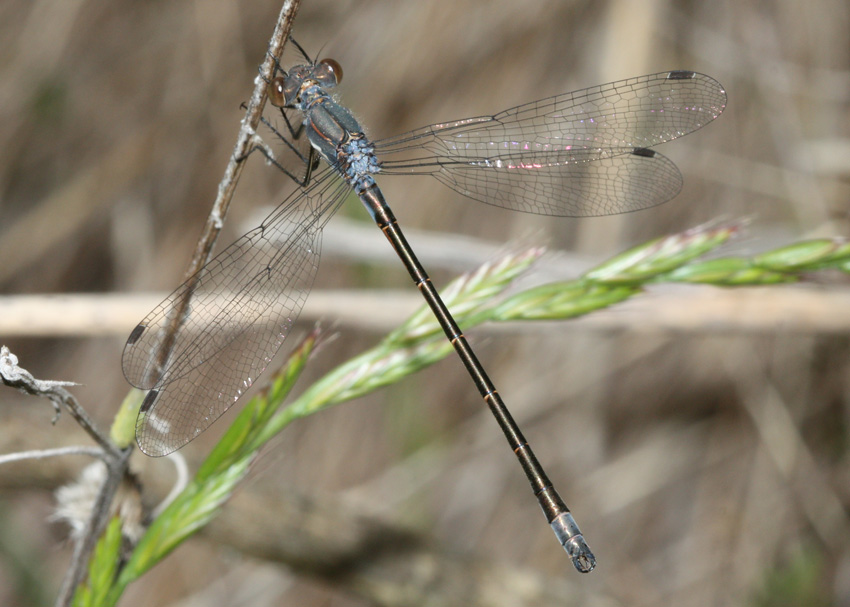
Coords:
pixel 359 162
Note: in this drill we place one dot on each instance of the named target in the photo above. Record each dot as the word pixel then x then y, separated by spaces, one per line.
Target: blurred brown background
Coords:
pixel 706 467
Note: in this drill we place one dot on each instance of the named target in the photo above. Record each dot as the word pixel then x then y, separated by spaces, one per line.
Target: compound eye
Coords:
pixel 277 90
pixel 332 68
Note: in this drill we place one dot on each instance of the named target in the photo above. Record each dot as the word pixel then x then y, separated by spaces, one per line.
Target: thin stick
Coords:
pixel 114 458
pixel 245 140
pixel 57 452
pixel 95 525
pixel 14 376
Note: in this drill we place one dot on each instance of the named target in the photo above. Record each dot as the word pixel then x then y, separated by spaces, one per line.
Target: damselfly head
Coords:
pixel 284 90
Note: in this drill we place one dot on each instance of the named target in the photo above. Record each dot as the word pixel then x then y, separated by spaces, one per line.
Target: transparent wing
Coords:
pixel 241 307
pixel 565 185
pixel 546 156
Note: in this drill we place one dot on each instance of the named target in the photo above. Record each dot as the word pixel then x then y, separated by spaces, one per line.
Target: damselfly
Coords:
pixel 585 153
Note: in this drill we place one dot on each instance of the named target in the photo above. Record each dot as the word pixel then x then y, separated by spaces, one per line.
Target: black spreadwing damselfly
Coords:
pixel 580 154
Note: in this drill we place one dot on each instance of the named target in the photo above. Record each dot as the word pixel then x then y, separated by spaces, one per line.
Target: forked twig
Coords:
pixel 15 377
pixel 115 460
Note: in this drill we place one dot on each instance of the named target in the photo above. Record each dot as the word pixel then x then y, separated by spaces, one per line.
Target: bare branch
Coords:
pixel 244 143
pixel 58 452
pixel 16 377
pixel 115 460
pixel 684 308
pixel 93 528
